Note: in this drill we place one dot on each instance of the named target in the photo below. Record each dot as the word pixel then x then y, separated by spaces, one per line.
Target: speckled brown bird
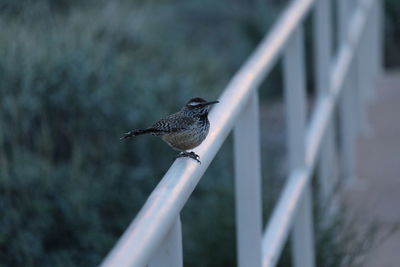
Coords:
pixel 183 130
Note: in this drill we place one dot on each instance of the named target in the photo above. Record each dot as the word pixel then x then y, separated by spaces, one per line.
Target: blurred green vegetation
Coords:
pixel 74 75
pixel 391 34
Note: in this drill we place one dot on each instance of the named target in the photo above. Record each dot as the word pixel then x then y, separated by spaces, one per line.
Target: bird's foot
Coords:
pixel 191 155
pixel 127 135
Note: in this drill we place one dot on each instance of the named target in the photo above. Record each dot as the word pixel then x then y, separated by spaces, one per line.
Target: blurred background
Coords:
pixel 75 75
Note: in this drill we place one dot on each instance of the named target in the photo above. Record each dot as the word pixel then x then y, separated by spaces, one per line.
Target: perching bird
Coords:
pixel 183 130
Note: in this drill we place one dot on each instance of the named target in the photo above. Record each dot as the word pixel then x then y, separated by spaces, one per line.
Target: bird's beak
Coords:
pixel 210 103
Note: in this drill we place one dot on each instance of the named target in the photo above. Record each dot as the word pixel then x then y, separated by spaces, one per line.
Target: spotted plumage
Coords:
pixel 183 130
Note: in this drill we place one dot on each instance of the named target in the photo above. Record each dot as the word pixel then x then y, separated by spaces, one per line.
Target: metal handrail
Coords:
pixel 145 234
pixel 284 212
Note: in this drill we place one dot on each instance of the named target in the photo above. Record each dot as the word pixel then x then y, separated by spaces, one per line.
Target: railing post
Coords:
pixel 169 254
pixel 343 15
pixel 347 130
pixel 322 60
pixel 248 185
pixel 364 61
pixel 368 54
pixel 347 111
pixel 377 21
pixel 295 103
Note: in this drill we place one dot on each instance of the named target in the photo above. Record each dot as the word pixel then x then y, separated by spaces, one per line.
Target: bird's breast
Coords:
pixel 186 140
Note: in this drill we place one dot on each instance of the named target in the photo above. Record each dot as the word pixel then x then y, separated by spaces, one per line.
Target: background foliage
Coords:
pixel 74 75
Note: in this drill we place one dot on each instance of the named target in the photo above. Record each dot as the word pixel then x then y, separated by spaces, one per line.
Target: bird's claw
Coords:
pixel 125 136
pixel 191 155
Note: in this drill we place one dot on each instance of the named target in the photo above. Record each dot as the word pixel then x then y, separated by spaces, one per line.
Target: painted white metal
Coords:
pixel 322 22
pixel 248 185
pixel 341 65
pixel 143 237
pixel 347 131
pixel 365 76
pixel 295 104
pixel 283 216
pixel 378 52
pixel 295 98
pixel 343 15
pixel 303 254
pixel 283 213
pixel 328 173
pixel 370 48
pixel 322 60
pixel 376 26
pixel 169 254
pixel 369 64
pixel 144 234
pixel 347 110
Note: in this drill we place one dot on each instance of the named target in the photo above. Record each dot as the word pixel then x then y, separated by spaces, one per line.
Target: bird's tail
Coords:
pixel 136 133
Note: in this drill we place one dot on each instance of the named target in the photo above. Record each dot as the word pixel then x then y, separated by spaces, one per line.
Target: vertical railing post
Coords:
pixel 361 65
pixel 169 254
pixel 295 103
pixel 368 54
pixel 365 76
pixel 377 21
pixel 322 60
pixel 347 130
pixel 248 185
pixel 347 111
pixel 343 15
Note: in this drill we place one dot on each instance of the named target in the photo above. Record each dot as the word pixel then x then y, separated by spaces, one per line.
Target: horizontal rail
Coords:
pixel 145 233
pixel 284 212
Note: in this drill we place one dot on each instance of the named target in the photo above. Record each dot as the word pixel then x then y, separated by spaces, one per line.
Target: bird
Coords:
pixel 183 130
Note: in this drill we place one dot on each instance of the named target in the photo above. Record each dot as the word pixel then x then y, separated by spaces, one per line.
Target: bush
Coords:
pixel 73 77
pixel 70 84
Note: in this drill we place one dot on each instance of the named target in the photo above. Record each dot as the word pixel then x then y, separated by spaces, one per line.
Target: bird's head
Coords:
pixel 199 105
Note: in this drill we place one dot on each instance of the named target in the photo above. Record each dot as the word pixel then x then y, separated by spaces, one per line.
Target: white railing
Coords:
pixel 344 81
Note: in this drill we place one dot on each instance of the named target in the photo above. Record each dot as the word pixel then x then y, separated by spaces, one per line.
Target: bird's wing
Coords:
pixel 173 123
